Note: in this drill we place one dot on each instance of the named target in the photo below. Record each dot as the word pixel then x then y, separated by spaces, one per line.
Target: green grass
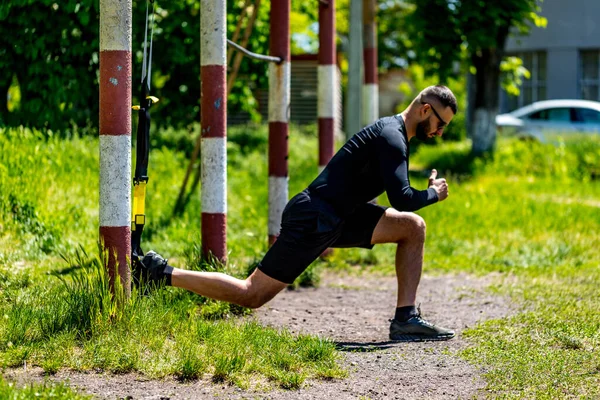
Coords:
pixel 76 324
pixel 58 314
pixel 531 213
pixel 10 391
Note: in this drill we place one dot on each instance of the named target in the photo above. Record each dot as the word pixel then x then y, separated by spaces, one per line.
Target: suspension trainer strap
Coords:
pixel 140 179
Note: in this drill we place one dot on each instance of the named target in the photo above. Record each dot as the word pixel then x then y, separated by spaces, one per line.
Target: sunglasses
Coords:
pixel 443 123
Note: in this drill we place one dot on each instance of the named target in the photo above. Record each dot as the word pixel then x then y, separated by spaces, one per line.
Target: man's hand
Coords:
pixel 439 185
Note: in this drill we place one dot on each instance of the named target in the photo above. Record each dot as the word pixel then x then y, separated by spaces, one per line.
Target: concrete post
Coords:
pixel 328 83
pixel 115 137
pixel 213 76
pixel 279 112
pixel 370 87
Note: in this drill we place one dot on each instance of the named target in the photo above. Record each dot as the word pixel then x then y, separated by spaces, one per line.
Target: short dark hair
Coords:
pixel 442 94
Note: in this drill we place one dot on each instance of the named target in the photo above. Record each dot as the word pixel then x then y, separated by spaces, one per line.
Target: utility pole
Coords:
pixel 355 50
pixel 370 88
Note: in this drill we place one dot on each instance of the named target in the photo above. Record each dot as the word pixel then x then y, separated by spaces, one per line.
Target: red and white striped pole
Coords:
pixel 370 86
pixel 213 78
pixel 279 104
pixel 327 71
pixel 115 137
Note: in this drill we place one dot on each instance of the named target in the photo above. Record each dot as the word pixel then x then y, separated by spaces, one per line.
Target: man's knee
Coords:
pixel 398 227
pixel 420 227
pixel 259 289
pixel 413 226
pixel 253 300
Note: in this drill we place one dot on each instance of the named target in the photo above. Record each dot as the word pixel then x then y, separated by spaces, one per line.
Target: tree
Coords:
pixel 51 48
pixel 472 32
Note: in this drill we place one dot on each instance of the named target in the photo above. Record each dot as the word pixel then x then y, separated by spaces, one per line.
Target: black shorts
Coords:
pixel 310 225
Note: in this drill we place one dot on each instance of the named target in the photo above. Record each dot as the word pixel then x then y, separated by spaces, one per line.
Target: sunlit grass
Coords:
pixel 77 324
pixel 69 320
pixel 531 213
pixel 44 391
pixel 536 218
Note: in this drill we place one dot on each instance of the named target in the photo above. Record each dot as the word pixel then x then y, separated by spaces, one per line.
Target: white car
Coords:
pixel 544 120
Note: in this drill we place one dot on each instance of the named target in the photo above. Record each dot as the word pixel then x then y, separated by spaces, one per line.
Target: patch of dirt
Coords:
pixel 354 312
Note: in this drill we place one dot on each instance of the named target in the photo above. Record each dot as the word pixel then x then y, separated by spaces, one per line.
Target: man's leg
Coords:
pixel 408 231
pixel 298 245
pixel 252 292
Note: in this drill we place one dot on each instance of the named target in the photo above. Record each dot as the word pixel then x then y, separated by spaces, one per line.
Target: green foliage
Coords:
pixel 436 32
pixel 52 51
pixel 14 96
pixel 473 17
pixel 51 61
pixel 395 44
pixel 586 151
pixel 211 309
pixel 440 27
pixel 311 277
pixel 513 73
pixel 562 161
pixel 85 305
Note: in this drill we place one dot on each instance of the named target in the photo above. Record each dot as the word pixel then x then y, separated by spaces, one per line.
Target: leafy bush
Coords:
pixel 586 150
pixel 578 159
pixel 52 62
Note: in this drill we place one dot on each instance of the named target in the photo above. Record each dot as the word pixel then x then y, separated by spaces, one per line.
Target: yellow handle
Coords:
pixel 154 101
pixel 139 201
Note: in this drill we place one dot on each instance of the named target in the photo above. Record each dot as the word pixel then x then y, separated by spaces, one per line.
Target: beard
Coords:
pixel 423 128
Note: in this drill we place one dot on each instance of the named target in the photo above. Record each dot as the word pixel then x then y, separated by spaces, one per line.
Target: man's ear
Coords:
pixel 423 111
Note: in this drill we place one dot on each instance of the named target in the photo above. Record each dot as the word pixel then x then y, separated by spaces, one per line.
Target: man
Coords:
pixel 334 211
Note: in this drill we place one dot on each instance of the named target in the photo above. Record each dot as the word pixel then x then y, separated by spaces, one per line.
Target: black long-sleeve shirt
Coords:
pixel 373 161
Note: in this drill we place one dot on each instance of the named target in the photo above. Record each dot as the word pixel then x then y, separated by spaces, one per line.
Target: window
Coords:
pixel 588 116
pixel 589 70
pixel 534 88
pixel 554 115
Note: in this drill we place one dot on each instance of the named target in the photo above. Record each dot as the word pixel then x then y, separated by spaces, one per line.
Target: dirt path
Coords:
pixel 353 311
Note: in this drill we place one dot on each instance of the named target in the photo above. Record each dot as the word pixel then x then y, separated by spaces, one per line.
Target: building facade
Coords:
pixel 563 58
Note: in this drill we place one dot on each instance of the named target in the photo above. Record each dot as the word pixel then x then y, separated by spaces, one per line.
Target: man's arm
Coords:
pixel 393 158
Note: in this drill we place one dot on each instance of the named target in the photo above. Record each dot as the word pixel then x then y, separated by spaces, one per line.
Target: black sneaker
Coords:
pixel 152 269
pixel 416 329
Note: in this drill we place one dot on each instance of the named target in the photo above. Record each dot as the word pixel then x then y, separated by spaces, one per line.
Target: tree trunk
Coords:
pixel 486 93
